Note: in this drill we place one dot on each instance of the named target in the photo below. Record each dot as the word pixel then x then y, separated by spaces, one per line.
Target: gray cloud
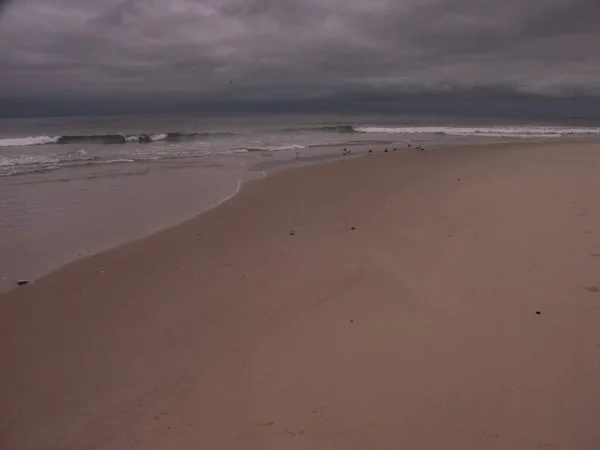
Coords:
pixel 297 48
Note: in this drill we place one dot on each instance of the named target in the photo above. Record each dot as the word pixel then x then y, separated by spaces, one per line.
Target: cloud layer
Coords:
pixel 261 49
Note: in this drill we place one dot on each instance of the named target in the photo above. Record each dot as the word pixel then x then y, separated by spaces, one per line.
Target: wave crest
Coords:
pixel 107 139
pixel 510 131
pixel 22 142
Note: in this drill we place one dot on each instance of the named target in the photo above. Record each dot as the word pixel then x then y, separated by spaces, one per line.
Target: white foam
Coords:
pixel 22 142
pixel 77 154
pixel 159 137
pixel 233 151
pixel 120 160
pixel 288 147
pixel 511 131
pixel 276 148
pixel 26 160
pixel 146 155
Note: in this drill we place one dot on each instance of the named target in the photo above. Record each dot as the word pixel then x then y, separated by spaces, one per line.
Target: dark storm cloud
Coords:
pixel 298 49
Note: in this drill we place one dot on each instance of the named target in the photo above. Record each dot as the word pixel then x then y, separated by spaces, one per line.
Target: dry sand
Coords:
pixel 417 329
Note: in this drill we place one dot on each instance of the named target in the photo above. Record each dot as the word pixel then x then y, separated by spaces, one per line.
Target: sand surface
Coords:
pixel 271 323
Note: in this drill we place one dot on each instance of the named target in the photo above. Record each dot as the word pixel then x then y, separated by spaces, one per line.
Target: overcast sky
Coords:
pixel 297 49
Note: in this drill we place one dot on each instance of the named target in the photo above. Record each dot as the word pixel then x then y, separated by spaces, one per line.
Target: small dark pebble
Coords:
pixel 593 289
pixel 538 312
pixel 459 179
pixel 351 321
pixel 292 233
pixel 22 282
pixel 79 290
pixel 386 150
pixel 370 151
pixel 394 149
pixel 353 228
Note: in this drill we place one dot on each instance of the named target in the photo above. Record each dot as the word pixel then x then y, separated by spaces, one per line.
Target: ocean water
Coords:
pixel 70 187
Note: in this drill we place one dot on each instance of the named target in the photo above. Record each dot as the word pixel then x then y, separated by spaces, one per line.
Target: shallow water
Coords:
pixel 93 191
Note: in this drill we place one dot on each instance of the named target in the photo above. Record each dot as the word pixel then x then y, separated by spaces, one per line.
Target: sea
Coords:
pixel 74 186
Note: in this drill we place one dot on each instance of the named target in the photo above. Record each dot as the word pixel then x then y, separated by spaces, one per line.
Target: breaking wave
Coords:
pixel 22 142
pixel 508 132
pixel 106 139
pixel 489 131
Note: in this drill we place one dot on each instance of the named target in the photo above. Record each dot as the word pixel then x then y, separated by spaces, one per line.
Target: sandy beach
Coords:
pixel 446 299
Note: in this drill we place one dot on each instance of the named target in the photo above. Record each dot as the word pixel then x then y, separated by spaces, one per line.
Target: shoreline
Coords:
pixel 266 168
pixel 258 168
pixel 383 301
pixel 32 279
pixel 281 165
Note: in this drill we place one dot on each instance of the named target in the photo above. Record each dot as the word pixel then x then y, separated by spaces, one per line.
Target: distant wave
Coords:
pixel 21 142
pixel 490 131
pixel 106 139
pixel 511 131
pixel 485 131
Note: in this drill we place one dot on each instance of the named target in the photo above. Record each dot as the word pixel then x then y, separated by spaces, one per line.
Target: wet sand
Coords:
pixel 441 299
